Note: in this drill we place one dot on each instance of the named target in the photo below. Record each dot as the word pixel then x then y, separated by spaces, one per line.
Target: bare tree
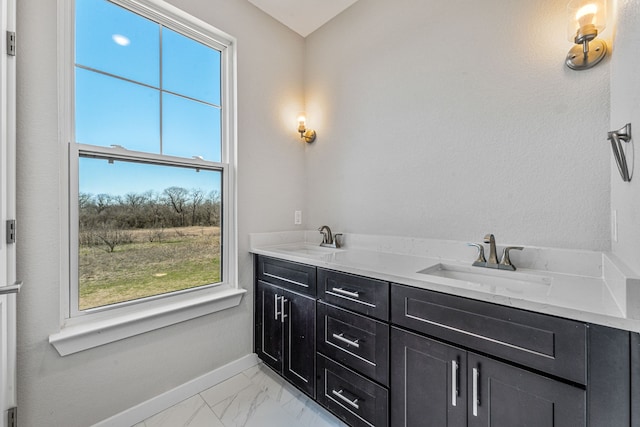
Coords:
pixel 212 207
pixel 134 204
pixel 102 202
pixel 177 198
pixel 112 236
pixel 85 200
pixel 197 196
pixel 174 207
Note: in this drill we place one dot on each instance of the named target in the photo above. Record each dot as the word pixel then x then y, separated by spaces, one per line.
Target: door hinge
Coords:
pixel 12 417
pixel 11 231
pixel 11 43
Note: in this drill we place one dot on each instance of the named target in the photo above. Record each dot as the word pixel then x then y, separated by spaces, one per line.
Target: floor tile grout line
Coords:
pixel 270 389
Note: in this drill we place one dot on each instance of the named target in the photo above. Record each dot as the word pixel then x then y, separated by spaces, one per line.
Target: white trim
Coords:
pixel 174 18
pixel 172 397
pixel 8 315
pixel 76 329
pixel 88 334
pixel 66 29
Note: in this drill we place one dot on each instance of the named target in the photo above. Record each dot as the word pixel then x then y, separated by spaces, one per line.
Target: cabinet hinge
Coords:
pixel 11 43
pixel 11 231
pixel 12 417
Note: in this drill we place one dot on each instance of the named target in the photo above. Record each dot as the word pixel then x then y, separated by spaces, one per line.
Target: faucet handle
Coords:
pixel 481 261
pixel 337 239
pixel 505 262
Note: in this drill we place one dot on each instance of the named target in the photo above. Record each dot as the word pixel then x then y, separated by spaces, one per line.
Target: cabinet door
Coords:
pixel 501 395
pixel 299 341
pixel 269 324
pixel 428 382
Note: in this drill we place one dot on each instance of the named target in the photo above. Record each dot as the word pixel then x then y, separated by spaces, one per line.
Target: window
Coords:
pixel 151 156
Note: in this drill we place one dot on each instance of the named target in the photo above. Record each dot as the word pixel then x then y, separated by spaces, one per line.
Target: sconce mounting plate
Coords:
pixel 309 136
pixel 577 60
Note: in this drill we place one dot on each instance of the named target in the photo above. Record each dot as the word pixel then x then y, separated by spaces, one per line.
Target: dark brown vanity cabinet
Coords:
pixel 440 385
pixel 378 354
pixel 285 322
pixel 353 348
pixel 481 364
pixel 635 380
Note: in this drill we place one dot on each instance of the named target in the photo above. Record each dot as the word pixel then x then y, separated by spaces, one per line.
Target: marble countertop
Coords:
pixel 587 286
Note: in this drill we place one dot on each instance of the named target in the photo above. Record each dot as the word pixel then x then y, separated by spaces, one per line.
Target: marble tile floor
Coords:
pixel 256 397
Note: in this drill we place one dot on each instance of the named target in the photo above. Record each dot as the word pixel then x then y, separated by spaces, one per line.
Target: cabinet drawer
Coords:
pixel 289 275
pixel 354 399
pixel 546 343
pixel 354 340
pixel 355 293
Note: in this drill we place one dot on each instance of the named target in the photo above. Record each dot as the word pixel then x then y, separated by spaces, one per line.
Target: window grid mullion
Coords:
pixel 84 67
pixel 161 94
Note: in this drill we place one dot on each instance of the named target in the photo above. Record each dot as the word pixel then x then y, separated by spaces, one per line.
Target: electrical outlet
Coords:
pixel 614 225
pixel 297 217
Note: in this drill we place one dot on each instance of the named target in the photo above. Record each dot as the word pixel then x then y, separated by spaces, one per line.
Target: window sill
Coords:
pixel 91 333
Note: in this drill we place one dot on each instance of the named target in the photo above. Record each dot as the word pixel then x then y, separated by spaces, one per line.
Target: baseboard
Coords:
pixel 159 403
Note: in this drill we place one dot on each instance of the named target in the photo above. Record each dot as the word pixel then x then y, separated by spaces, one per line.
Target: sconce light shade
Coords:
pixel 586 19
pixel 307 134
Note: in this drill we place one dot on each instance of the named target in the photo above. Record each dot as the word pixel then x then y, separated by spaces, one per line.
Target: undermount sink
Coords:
pixel 492 280
pixel 308 250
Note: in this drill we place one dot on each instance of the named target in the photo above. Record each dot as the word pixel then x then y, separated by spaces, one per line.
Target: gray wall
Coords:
pixel 84 388
pixel 452 119
pixel 625 108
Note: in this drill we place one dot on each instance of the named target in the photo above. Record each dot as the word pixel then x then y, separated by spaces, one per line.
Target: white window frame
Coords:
pixel 80 330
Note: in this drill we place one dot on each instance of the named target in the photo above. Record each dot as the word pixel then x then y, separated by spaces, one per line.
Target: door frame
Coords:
pixel 8 319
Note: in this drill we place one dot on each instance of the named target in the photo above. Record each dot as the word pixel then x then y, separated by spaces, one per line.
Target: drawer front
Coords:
pixel 354 399
pixel 356 341
pixel 355 293
pixel 550 344
pixel 289 275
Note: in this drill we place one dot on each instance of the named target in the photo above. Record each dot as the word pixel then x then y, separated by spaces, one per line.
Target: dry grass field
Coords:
pixel 172 259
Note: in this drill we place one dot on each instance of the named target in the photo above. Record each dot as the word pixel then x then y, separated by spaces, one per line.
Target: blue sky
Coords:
pixel 119 178
pixel 127 112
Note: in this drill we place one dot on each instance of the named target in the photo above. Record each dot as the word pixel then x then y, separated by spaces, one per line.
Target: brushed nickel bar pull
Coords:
pixel 340 337
pixel 476 374
pixel 13 289
pixel 454 383
pixel 345 292
pixel 283 301
pixel 339 395
pixel 275 306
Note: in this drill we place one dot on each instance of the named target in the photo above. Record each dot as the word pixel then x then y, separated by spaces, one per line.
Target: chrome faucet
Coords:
pixel 492 262
pixel 328 239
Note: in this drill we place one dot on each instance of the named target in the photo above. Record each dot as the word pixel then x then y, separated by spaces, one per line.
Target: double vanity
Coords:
pixel 384 333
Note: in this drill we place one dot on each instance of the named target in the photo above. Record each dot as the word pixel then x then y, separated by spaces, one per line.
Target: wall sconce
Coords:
pixel 586 19
pixel 308 134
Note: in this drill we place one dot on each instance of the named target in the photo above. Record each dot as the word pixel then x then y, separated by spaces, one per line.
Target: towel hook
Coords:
pixel 615 137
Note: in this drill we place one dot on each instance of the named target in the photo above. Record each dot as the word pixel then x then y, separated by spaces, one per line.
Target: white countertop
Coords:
pixel 587 286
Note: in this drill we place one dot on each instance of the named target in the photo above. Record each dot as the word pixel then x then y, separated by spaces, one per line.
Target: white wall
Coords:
pixel 84 388
pixel 452 119
pixel 625 108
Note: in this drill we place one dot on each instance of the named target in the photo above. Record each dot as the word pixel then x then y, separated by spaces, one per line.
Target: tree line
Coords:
pixel 105 218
